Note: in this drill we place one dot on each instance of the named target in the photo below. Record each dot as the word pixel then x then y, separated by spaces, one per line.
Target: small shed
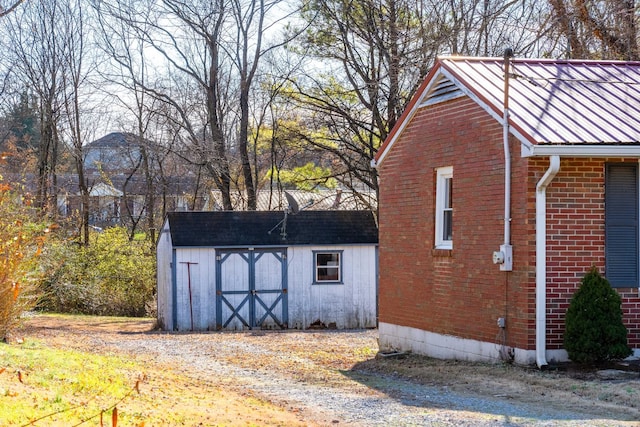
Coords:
pixel 235 270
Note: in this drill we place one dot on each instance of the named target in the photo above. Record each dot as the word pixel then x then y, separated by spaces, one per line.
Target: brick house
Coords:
pixel 456 279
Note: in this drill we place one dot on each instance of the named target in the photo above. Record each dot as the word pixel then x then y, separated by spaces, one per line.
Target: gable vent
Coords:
pixel 442 90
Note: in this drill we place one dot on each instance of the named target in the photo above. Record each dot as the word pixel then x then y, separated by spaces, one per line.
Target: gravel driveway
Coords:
pixel 333 378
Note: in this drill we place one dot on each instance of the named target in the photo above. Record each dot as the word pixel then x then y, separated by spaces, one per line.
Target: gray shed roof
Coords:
pixel 260 228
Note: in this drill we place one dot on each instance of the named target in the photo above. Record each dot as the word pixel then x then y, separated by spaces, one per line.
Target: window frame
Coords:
pixel 339 267
pixel 444 194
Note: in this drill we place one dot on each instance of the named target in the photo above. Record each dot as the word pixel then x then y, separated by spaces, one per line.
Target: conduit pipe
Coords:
pixel 505 254
pixel 508 53
pixel 541 260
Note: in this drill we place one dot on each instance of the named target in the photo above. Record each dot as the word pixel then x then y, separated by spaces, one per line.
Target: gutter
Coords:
pixel 582 150
pixel 541 259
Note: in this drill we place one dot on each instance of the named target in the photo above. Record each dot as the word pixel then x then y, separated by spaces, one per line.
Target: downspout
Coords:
pixel 541 260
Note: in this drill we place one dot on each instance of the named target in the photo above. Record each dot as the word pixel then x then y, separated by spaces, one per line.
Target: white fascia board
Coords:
pixel 581 150
pixel 534 150
pixel 418 104
pixel 403 125
pixel 421 104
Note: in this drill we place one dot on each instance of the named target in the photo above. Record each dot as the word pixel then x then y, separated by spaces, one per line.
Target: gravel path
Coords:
pixel 317 375
pixel 394 401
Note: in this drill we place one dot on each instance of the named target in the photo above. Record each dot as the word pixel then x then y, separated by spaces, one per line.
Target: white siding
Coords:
pixel 164 251
pixel 200 297
pixel 351 304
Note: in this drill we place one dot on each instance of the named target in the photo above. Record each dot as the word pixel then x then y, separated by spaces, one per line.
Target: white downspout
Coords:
pixel 541 260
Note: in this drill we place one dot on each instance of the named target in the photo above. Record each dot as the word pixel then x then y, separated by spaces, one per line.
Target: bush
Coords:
pixel 594 329
pixel 21 240
pixel 112 276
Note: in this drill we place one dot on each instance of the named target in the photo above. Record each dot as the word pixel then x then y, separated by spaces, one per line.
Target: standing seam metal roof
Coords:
pixel 551 102
pixel 560 102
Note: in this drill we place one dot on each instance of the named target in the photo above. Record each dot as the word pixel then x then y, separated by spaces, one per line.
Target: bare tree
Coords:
pixel 367 57
pixel 72 19
pixel 210 54
pixel 373 53
pixel 7 10
pixel 35 44
pixel 46 44
pixel 248 50
pixel 486 28
pixel 125 46
pixel 185 39
pixel 606 29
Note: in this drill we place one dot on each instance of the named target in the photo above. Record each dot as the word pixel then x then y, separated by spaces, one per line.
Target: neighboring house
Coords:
pixel 118 187
pixel 237 270
pixel 105 204
pixel 116 152
pixel 117 199
pixel 487 228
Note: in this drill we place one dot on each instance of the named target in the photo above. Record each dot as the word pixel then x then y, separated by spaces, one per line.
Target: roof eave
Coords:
pixel 406 116
pixel 581 150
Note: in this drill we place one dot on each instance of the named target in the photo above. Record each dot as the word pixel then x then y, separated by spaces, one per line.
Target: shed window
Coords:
pixel 444 208
pixel 621 224
pixel 327 267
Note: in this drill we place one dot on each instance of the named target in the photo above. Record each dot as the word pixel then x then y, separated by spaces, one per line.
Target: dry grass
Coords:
pixel 173 395
pixel 53 376
pixel 569 387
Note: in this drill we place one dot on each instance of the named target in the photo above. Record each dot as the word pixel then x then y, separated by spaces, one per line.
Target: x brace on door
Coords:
pixel 251 287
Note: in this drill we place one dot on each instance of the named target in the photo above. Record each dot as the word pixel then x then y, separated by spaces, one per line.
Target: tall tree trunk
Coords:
pixel 243 142
pixel 47 157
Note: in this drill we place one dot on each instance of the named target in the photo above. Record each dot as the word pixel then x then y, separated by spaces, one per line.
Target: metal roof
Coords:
pixel 559 102
pixel 551 102
pixel 264 228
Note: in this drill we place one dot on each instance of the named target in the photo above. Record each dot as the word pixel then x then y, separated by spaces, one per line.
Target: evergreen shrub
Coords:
pixel 594 329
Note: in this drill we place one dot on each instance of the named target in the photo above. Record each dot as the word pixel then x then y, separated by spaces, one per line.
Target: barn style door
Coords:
pixel 251 289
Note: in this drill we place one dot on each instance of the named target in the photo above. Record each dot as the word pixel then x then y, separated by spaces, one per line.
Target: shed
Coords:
pixel 236 270
pixel 502 184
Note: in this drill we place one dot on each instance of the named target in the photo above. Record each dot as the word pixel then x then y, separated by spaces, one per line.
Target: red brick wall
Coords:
pixel 459 292
pixel 575 240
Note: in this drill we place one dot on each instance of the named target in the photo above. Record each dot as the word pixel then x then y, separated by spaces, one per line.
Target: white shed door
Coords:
pixel 251 289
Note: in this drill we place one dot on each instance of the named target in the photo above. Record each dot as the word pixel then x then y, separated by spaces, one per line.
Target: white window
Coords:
pixel 444 208
pixel 328 267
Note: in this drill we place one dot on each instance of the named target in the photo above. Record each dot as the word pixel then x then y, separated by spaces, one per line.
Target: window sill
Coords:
pixel 442 253
pixel 327 283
